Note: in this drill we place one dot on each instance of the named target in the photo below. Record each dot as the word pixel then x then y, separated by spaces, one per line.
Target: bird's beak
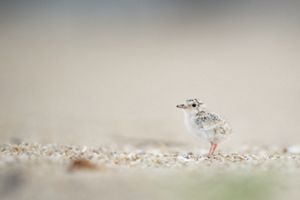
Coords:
pixel 181 106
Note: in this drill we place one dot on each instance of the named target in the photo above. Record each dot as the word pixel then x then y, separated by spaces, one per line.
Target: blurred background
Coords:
pixel 101 72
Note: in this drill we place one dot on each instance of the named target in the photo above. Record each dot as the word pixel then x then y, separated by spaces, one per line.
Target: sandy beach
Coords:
pixel 88 95
pixel 35 171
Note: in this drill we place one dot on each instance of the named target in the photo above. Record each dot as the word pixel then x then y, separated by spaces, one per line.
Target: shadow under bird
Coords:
pixel 204 124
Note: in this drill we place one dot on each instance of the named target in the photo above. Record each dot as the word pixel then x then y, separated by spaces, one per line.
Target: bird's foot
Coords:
pixel 212 149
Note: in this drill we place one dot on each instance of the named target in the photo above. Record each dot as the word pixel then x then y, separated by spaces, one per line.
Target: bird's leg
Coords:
pixel 212 149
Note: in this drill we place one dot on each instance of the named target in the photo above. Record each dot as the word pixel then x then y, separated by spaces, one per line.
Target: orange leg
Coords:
pixel 212 149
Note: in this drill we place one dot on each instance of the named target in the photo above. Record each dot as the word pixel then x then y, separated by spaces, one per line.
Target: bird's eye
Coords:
pixel 194 105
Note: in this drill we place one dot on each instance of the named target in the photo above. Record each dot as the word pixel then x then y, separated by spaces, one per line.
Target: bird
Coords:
pixel 204 124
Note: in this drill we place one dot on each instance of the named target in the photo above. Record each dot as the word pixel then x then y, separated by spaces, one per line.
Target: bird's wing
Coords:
pixel 208 121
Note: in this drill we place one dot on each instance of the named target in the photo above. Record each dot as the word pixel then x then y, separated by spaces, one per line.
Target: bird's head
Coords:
pixel 192 105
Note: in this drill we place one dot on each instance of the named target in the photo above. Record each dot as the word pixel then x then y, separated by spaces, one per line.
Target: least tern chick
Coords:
pixel 204 124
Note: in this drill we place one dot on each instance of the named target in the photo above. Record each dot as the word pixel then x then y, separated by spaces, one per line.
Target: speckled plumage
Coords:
pixel 205 124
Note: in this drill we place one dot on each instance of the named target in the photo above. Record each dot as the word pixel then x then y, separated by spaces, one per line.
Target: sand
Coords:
pixel 161 171
pixel 159 156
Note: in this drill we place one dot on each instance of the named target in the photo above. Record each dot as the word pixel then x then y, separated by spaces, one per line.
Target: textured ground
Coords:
pixel 160 171
pixel 155 156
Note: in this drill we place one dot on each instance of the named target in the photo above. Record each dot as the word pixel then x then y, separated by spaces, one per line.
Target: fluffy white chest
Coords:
pixel 192 127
